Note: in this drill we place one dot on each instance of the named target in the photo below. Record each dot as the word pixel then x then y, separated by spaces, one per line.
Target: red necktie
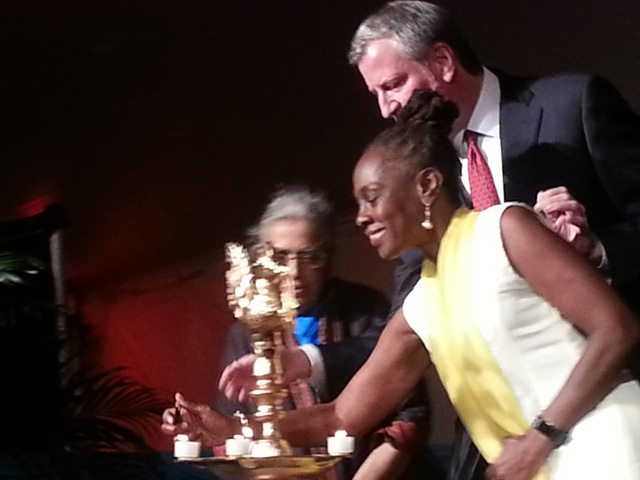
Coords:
pixel 483 190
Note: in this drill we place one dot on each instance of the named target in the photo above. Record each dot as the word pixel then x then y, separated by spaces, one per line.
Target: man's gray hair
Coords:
pixel 415 26
pixel 293 203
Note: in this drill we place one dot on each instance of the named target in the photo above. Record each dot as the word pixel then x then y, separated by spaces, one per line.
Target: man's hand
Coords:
pixel 198 422
pixel 521 457
pixel 172 425
pixel 567 217
pixel 174 422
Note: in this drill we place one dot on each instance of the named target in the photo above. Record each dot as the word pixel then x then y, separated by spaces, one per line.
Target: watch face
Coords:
pixel 553 433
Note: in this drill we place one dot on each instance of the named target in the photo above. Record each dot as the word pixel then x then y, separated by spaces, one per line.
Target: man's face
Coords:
pixel 392 76
pixel 297 243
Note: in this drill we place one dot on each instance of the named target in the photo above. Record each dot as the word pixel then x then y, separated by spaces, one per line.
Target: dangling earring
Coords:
pixel 427 224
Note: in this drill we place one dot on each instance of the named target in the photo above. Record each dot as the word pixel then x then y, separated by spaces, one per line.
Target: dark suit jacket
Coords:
pixel 577 131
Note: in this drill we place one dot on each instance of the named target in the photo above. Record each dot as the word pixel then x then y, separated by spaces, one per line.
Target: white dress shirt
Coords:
pixel 318 376
pixel 485 121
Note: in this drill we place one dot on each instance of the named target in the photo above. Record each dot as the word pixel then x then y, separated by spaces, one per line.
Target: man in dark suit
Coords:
pixel 569 145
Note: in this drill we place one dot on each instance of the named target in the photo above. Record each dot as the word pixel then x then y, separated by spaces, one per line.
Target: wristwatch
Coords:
pixel 549 430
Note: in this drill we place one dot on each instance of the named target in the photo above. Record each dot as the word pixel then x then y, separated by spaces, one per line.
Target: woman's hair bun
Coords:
pixel 428 109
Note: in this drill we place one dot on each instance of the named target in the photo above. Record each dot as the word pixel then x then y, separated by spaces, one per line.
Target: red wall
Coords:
pixel 168 329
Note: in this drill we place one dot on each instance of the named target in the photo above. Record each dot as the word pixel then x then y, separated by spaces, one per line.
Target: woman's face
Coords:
pixel 389 209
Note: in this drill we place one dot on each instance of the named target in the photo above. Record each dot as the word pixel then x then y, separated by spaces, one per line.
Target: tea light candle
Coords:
pixel 261 366
pixel 263 449
pixel 238 446
pixel 185 448
pixel 340 444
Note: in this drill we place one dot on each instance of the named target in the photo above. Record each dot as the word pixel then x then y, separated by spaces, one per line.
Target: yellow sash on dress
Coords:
pixel 474 381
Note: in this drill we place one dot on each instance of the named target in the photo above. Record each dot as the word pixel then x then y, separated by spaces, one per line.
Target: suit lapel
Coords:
pixel 520 119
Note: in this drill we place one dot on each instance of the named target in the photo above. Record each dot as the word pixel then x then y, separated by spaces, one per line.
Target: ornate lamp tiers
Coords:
pixel 261 294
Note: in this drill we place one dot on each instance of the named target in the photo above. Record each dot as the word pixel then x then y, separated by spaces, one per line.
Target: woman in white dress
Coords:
pixel 529 340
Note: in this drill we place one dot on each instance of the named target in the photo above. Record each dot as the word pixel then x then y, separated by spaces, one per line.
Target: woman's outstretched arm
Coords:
pixel 383 382
pixel 395 366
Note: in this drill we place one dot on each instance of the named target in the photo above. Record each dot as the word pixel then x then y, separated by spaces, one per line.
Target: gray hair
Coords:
pixel 415 26
pixel 297 203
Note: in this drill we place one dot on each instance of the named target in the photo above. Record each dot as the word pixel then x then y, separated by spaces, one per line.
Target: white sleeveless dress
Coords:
pixel 537 349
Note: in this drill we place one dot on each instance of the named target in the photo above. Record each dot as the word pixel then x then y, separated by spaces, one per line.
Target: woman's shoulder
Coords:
pixel 498 224
pixel 516 216
pixel 507 208
pixel 506 215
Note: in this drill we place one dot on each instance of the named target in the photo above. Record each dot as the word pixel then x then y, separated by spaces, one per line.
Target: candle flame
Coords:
pixel 247 432
pixel 181 438
pixel 341 433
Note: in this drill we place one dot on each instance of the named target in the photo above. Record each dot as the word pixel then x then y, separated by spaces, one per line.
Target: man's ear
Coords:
pixel 429 184
pixel 442 61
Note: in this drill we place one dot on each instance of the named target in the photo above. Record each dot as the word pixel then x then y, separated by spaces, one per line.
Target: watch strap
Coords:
pixel 557 436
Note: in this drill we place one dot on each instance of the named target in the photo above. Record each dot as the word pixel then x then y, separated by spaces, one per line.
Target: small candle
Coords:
pixel 238 446
pixel 340 444
pixel 185 448
pixel 263 449
pixel 262 366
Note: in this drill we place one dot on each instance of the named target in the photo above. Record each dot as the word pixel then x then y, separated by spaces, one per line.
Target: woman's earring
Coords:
pixel 427 224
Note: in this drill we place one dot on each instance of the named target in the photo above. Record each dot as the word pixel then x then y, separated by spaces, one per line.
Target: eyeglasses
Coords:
pixel 312 258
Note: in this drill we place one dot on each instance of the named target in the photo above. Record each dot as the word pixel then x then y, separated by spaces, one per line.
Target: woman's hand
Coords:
pixel 198 421
pixel 521 458
pixel 237 379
